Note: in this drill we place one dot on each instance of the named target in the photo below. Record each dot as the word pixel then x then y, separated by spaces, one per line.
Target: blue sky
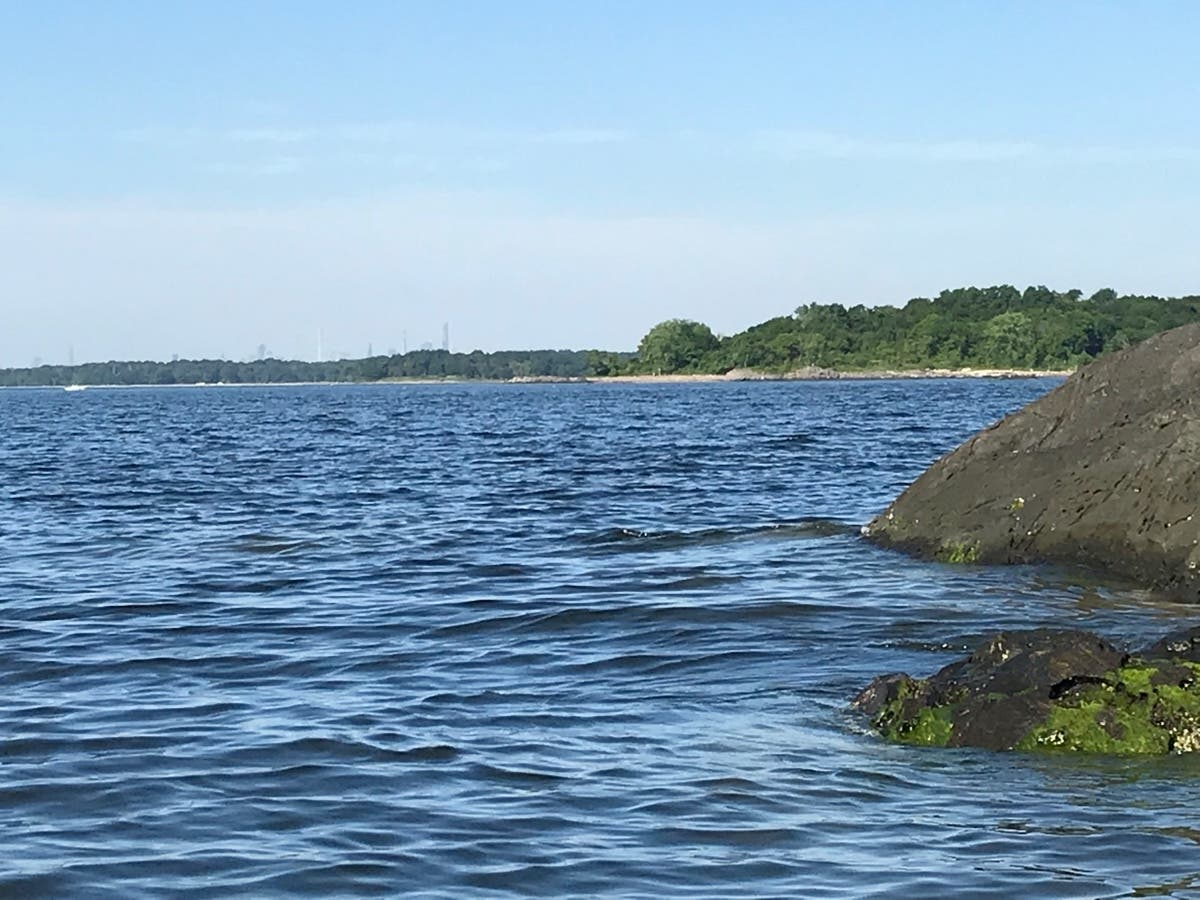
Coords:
pixel 203 178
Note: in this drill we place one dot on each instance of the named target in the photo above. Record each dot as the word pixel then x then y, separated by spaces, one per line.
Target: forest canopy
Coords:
pixel 992 327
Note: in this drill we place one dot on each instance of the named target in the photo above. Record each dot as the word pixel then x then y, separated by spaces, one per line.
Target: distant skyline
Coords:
pixel 203 179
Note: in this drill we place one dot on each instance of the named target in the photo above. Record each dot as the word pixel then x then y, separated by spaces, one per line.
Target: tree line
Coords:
pixel 992 327
pixel 418 364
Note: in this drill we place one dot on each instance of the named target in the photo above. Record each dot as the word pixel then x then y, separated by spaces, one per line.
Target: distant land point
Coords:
pixel 997 332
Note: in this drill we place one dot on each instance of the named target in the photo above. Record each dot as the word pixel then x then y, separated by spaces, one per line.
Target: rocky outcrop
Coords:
pixel 1103 471
pixel 1049 690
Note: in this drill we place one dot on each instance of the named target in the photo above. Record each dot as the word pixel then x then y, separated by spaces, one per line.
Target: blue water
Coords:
pixel 491 640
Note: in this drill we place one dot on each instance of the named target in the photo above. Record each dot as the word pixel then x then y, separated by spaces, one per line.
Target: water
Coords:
pixel 509 640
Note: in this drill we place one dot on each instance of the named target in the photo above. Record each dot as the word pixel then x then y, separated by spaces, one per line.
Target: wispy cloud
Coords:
pixel 163 135
pixel 381 132
pixel 279 165
pixel 819 145
pixel 797 145
pixel 434 139
pixel 404 132
pixel 378 132
pixel 269 135
pixel 413 146
pixel 1102 154
pixel 581 136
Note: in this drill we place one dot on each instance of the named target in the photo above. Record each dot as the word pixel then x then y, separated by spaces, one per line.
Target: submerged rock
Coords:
pixel 1102 472
pixel 1049 690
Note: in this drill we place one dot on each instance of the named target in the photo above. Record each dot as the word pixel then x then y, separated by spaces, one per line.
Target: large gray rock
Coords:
pixel 1103 471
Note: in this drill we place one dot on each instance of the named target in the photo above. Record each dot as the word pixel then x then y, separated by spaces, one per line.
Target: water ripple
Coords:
pixel 555 640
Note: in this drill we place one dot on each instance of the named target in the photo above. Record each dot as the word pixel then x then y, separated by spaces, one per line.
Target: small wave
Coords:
pixel 433 753
pixel 485 624
pixel 718 659
pixel 729 837
pixel 42 884
pixel 961 644
pixel 517 776
pixel 484 698
pixel 632 540
pixel 623 662
pixel 694 582
pixel 793 441
pixel 318 750
pixel 41 748
pixel 329 879
pixel 501 570
pixel 621 618
pixel 551 879
pixel 269 544
pixel 427 562
pixel 265 586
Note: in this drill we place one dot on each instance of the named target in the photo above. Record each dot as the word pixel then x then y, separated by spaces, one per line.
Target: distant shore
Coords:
pixel 806 374
pixel 736 375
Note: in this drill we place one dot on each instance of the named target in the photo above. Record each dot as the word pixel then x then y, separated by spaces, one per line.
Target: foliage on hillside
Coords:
pixel 422 364
pixel 995 327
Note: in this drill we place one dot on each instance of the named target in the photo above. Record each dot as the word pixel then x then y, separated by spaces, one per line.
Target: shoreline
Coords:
pixel 815 374
pixel 735 375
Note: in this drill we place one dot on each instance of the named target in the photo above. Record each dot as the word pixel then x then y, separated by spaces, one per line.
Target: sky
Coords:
pixel 203 179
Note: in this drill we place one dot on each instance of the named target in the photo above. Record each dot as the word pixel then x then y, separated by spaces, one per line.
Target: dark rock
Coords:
pixel 1182 644
pixel 879 693
pixel 996 722
pixel 1014 661
pixel 1045 689
pixel 1179 676
pixel 1101 472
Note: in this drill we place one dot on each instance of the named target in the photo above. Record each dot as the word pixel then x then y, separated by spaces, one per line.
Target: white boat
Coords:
pixel 75 387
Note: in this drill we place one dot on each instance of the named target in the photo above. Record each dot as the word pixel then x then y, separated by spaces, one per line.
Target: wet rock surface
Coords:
pixel 1049 690
pixel 1103 471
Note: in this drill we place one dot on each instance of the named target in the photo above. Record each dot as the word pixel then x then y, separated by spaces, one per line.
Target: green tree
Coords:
pixel 675 345
pixel 1008 340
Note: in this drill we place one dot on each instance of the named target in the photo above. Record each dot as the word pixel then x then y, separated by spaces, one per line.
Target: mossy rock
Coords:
pixel 958 552
pixel 1051 691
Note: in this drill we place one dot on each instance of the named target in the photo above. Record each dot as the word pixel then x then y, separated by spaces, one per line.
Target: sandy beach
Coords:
pixel 816 374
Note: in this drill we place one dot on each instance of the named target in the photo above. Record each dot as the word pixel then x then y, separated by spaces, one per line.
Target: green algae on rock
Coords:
pixel 958 552
pixel 1049 690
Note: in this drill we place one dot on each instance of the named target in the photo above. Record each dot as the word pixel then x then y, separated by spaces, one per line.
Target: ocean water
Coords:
pixel 499 640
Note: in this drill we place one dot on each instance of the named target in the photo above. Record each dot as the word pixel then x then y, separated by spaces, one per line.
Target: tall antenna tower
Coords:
pixel 445 335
